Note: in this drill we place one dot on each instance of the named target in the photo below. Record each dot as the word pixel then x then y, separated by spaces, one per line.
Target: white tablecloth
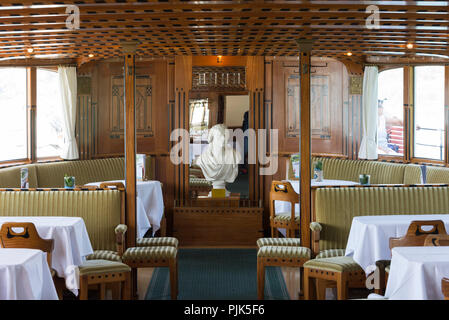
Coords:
pixel 416 273
pixel 369 236
pixel 71 240
pixel 25 275
pixel 149 205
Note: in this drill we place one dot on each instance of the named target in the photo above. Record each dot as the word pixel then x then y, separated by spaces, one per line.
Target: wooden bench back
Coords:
pixel 416 235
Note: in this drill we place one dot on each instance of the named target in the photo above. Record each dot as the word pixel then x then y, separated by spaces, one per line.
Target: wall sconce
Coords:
pixel 219 59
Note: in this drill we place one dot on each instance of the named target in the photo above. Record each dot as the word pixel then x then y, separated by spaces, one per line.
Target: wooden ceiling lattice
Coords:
pixel 269 28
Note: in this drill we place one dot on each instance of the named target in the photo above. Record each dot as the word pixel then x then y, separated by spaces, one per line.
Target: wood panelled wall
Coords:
pixel 163 88
pixel 335 113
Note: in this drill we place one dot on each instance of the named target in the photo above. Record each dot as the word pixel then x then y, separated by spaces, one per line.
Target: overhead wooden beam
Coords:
pixel 305 49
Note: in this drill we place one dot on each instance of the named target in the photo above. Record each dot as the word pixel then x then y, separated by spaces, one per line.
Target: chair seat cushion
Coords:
pixel 102 266
pixel 157 242
pixel 284 252
pixel 285 216
pixel 330 253
pixel 104 255
pixel 335 264
pixel 286 242
pixel 149 253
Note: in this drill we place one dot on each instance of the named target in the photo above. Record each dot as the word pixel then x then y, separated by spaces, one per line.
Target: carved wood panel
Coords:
pixel 144 107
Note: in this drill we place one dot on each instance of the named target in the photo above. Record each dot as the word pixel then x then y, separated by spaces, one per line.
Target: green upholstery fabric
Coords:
pixel 380 172
pixel 437 175
pixel 10 177
pixel 335 207
pixel 149 253
pixel 331 253
pixel 100 210
pixel 286 242
pixel 285 216
pixel 104 255
pixel 102 266
pixel 51 174
pixel 284 252
pixel 335 264
pixel 157 242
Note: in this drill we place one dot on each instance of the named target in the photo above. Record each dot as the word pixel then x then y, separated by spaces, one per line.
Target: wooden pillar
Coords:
pixel 305 48
pixel 31 113
pixel 129 50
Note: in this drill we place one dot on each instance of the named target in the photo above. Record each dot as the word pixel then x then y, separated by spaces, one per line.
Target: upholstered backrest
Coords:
pixel 51 175
pixel 99 209
pixel 380 172
pixel 335 207
pixel 10 177
pixel 437 174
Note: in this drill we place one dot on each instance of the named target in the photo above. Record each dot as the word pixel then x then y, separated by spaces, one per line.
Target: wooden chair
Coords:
pixel 436 240
pixel 416 236
pixel 289 255
pixel 283 191
pixel 151 254
pixel 27 238
pixel 445 288
pixel 102 273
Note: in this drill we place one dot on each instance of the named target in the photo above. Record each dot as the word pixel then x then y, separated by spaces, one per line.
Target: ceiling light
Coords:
pixel 30 50
pixel 349 53
pixel 219 59
pixel 409 46
pixel 91 55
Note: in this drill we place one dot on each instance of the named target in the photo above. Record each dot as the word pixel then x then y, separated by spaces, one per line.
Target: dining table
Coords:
pixel 369 236
pixel 416 273
pixel 149 204
pixel 71 241
pixel 25 275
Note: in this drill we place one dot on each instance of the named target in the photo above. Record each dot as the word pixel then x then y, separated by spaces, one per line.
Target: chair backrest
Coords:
pixel 436 240
pixel 416 235
pixel 445 288
pixel 282 191
pixel 27 238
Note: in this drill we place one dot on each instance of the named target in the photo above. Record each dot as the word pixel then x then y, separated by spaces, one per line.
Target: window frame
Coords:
pixel 31 107
pixel 409 118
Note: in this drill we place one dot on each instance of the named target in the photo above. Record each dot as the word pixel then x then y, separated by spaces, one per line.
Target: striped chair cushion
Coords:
pixel 104 255
pixel 286 242
pixel 330 253
pixel 102 266
pixel 149 253
pixel 284 252
pixel 335 264
pixel 285 216
pixel 157 242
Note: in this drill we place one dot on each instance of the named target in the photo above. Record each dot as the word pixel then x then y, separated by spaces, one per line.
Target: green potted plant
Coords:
pixel 364 179
pixel 318 170
pixel 69 182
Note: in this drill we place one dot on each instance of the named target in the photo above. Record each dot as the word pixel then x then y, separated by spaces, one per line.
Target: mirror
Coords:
pixel 207 109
